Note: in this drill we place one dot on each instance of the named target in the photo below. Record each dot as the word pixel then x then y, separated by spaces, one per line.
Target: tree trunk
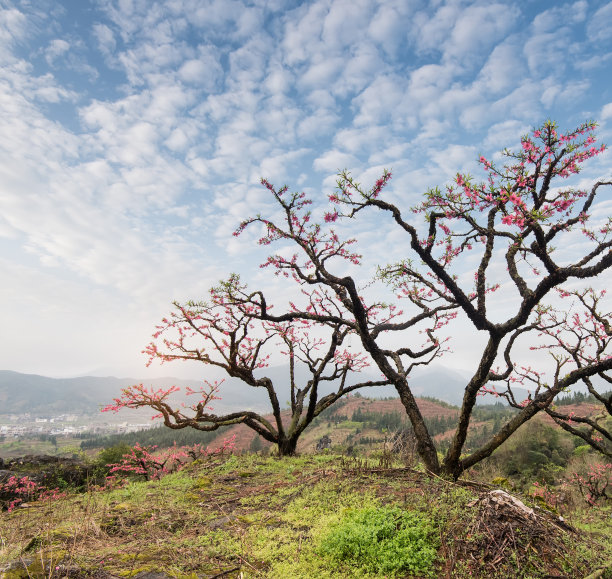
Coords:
pixel 425 445
pixel 452 464
pixel 287 446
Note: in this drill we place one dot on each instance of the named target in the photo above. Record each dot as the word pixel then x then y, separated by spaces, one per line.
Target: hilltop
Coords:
pixel 254 515
pixel 250 516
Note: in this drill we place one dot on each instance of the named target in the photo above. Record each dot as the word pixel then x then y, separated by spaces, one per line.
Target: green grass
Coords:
pixel 386 540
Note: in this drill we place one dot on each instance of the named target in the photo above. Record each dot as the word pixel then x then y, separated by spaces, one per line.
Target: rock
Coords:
pixel 47 471
pixel 505 500
pixel 22 564
pixel 5 475
pixel 50 471
pixel 220 522
pixel 323 443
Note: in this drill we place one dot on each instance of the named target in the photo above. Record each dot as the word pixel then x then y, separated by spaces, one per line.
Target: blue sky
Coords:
pixel 134 134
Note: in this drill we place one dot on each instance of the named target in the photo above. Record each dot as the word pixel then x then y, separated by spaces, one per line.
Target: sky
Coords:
pixel 134 134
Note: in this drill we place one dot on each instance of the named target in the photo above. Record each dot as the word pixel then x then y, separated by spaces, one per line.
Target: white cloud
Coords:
pixel 379 101
pixel 57 47
pixel 595 61
pixel 167 104
pixel 524 101
pixel 248 64
pixel 390 153
pixel 131 146
pixel 548 39
pixel 178 140
pixel 143 63
pixel 105 38
pixel 13 26
pixel 278 120
pixel 277 167
pixel 359 70
pixel 606 112
pixel 345 15
pixel 388 26
pixel 198 72
pixel 542 53
pixel 362 139
pixel 320 123
pixel 303 30
pixel 504 67
pixel 428 81
pixel 558 93
pixel 476 29
pixel 322 72
pixel 454 159
pixel 599 25
pixel 434 30
pixel 506 134
pixel 278 80
pixel 432 129
pixel 321 98
pixel 334 161
pixel 552 19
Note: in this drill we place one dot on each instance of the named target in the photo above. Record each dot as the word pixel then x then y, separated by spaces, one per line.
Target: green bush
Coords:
pixel 384 540
pixel 537 451
pixel 582 449
pixel 100 464
pixel 113 455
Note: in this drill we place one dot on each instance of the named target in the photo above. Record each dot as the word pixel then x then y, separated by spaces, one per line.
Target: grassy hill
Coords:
pixel 320 516
pixel 355 424
pixel 372 514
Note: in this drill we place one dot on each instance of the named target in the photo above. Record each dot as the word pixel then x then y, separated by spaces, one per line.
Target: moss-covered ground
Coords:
pixel 250 516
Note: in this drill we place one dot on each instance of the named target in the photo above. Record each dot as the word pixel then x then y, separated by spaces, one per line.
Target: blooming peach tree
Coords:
pixel 520 216
pixel 153 464
pixel 227 334
pixel 16 491
pixel 595 483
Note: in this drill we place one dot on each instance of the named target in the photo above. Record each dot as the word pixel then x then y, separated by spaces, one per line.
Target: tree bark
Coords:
pixel 425 445
pixel 287 446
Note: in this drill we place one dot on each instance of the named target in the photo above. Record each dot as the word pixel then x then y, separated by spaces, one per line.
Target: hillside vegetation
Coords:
pixel 312 516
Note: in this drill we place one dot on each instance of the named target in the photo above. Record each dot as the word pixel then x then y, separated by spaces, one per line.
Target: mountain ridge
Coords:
pixel 34 393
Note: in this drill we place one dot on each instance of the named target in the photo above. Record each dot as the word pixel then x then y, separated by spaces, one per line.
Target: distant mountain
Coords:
pixel 20 393
pixel 448 385
pixel 42 395
pixel 438 382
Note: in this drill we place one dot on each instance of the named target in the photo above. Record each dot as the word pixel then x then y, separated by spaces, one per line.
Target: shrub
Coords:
pixel 383 540
pixel 151 464
pixel 18 490
pixel 595 483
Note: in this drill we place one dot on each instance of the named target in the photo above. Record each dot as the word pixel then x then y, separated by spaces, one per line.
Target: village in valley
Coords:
pixel 20 426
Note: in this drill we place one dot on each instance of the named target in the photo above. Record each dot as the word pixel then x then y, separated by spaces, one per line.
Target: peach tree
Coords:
pixel 520 217
pixel 227 335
